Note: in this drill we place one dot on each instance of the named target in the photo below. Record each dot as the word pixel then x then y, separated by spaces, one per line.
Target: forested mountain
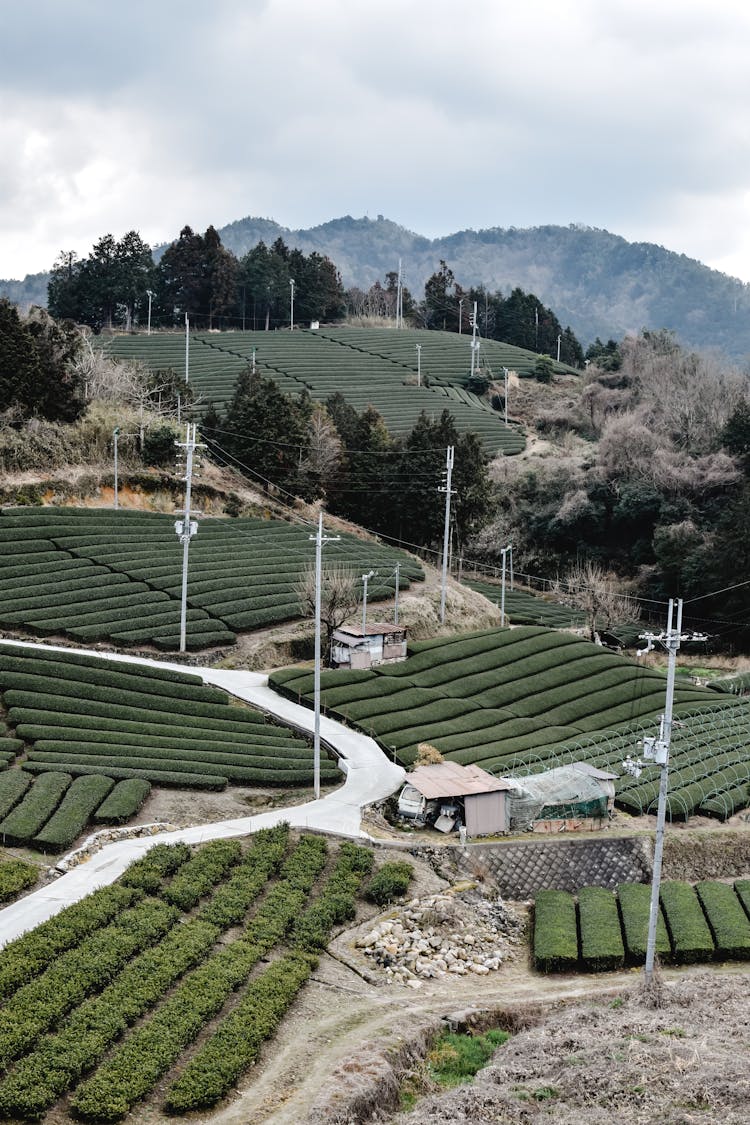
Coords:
pixel 597 282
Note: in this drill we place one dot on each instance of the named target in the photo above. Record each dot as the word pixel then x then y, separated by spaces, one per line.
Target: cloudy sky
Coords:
pixel 632 115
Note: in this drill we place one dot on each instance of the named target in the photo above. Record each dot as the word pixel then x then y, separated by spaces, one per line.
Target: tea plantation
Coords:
pixel 369 367
pixel 96 735
pixel 600 931
pixel 102 1001
pixel 520 700
pixel 96 575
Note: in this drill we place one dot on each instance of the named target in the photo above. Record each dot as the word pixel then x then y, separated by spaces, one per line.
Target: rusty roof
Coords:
pixel 449 779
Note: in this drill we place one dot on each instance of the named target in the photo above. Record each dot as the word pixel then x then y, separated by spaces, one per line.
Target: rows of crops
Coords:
pixel 102 1001
pixel 524 608
pixel 369 369
pixel 521 700
pixel 102 575
pixel 99 721
pixel 600 931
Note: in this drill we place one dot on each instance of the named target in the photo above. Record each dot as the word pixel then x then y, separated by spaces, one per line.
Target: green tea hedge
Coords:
pixel 602 948
pixel 555 932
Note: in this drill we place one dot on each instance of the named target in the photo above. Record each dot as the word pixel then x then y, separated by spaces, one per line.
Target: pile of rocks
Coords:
pixel 453 932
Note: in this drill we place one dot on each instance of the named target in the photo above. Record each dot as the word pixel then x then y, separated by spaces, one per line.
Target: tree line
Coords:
pixel 198 277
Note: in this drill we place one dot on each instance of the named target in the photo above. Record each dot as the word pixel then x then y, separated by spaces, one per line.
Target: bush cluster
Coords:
pixel 602 947
pixel 79 803
pixel 389 882
pixel 15 877
pixel 35 809
pixel 555 932
pixel 125 800
pixel 688 930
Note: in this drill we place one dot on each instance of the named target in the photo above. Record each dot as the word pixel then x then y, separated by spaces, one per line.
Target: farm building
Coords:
pixel 354 647
pixel 571 798
pixel 450 795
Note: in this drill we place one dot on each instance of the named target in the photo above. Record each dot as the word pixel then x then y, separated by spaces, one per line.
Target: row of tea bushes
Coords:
pixel 88 716
pixel 52 811
pixel 601 931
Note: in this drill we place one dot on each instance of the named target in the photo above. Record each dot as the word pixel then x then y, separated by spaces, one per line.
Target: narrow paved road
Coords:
pixel 369 776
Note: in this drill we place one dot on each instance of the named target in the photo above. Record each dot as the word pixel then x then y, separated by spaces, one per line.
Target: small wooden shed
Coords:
pixel 480 797
pixel 378 643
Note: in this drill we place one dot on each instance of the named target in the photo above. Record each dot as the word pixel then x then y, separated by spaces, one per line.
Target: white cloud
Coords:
pixel 628 115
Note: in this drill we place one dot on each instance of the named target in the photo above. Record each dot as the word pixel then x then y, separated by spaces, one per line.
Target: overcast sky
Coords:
pixel 632 115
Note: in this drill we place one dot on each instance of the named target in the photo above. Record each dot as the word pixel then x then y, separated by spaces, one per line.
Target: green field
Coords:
pixel 525 608
pixel 95 734
pixel 101 1001
pixel 598 930
pixel 96 574
pixel 521 700
pixel 369 367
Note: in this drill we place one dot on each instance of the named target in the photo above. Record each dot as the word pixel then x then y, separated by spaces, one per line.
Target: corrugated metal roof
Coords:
pixel 376 629
pixel 592 771
pixel 449 779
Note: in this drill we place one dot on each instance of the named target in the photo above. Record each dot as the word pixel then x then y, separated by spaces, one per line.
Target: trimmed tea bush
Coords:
pixel 82 798
pixel 635 904
pixel 726 917
pixel 125 800
pixel 688 930
pixel 555 932
pixel 15 877
pixel 23 823
pixel 602 947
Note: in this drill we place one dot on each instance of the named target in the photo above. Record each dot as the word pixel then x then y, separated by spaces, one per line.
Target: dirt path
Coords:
pixel 343 1022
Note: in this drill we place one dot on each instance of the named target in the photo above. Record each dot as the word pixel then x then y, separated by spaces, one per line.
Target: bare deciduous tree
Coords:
pixel 323 455
pixel 594 591
pixel 339 598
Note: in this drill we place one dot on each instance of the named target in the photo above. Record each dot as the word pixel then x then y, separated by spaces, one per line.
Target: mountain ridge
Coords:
pixel 597 282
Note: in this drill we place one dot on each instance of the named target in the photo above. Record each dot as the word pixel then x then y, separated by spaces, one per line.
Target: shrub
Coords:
pixel 30 954
pixel 13 785
pixel 555 932
pixel 729 923
pixel 125 800
pixel 206 868
pixel 16 876
pixel 389 882
pixel 688 929
pixel 159 862
pixel 602 948
pixel 23 823
pixel 82 798
pixel 634 900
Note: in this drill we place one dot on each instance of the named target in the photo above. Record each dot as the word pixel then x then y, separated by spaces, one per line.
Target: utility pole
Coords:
pixel 253 364
pixel 399 298
pixel 186 528
pixel 559 338
pixel 365 579
pixel 446 488
pixel 657 749
pixel 395 604
pixel 291 305
pixel 460 314
pixel 320 539
pixel 505 376
pixel 474 342
pixel 419 365
pixel 504 551
pixel 115 435
pixel 149 294
pixel 187 348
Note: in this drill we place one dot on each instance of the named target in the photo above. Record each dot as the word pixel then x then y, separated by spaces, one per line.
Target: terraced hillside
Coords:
pixel 524 608
pixel 95 734
pixel 368 367
pixel 104 1001
pixel 92 574
pixel 520 700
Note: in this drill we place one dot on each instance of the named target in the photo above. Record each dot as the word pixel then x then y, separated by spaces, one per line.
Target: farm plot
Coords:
pixel 600 931
pixel 104 1000
pixel 359 367
pixel 88 724
pixel 524 608
pixel 117 576
pixel 521 700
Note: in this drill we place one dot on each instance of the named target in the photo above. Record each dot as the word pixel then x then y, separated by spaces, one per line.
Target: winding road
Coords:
pixel 369 776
